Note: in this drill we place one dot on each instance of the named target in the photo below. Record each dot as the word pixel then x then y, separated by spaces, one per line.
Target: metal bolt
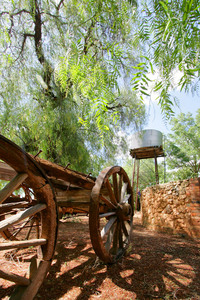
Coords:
pixel 38 153
pixel 67 166
pixel 88 175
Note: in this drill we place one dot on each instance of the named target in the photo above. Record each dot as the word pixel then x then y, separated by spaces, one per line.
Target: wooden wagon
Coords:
pixel 32 192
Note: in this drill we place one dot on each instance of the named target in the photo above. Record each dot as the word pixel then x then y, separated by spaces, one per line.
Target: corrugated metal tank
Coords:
pixel 146 138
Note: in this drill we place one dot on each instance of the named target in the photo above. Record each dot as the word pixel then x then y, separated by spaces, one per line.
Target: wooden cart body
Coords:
pixel 35 191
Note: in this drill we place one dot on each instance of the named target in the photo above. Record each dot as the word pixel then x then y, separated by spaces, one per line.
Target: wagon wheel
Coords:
pixel 23 199
pixel 111 214
pixel 28 222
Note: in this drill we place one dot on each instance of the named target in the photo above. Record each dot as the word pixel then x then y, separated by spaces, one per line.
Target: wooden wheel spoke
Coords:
pixel 15 233
pixel 124 229
pixel 21 216
pixel 107 202
pixel 110 192
pixel 22 244
pixel 108 226
pixel 126 198
pixel 115 186
pixel 108 214
pixel 30 228
pixel 123 191
pixel 115 239
pixel 120 237
pixel 109 239
pixel 120 185
pixel 12 186
pixel 14 278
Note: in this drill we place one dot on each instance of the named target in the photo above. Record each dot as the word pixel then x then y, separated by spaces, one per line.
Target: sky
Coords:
pixel 188 103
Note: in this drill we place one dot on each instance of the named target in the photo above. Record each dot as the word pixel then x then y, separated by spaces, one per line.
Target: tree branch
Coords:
pixel 24 41
pixel 59 4
pixel 16 13
pixel 87 38
pixel 114 107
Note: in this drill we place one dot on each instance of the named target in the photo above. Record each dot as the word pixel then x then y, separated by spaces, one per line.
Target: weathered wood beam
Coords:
pixel 6 207
pixel 12 186
pixel 21 216
pixel 66 174
pixel 36 281
pixel 75 205
pixel 79 195
pixel 6 172
pixel 22 244
pixel 14 278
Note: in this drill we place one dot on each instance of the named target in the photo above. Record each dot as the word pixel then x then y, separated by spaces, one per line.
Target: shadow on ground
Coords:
pixel 158 266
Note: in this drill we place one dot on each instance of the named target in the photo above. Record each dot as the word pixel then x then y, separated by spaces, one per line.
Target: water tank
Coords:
pixel 146 138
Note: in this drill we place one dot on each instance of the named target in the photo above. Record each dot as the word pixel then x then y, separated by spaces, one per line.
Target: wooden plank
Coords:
pixel 22 244
pixel 58 172
pixel 147 152
pixel 36 281
pixel 79 195
pixel 21 216
pixel 6 172
pixel 14 199
pixel 6 207
pixel 76 206
pixel 61 185
pixel 14 278
pixel 63 203
pixel 12 186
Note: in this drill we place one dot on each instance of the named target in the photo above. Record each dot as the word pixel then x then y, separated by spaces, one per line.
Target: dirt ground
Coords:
pixel 157 266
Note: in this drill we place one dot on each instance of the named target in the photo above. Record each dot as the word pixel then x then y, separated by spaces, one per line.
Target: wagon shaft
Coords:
pixel 55 171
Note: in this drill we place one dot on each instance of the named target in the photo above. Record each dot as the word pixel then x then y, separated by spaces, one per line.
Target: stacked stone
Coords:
pixel 173 207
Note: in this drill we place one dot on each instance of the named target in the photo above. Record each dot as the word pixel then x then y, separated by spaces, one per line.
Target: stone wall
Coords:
pixel 173 207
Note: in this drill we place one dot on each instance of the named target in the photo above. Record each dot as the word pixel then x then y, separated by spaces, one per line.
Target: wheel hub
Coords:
pixel 123 211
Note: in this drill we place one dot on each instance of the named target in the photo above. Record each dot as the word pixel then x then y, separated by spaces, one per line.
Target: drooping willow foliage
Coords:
pixel 66 69
pixel 62 70
pixel 169 31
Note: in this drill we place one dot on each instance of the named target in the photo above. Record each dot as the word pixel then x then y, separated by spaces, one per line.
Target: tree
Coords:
pixel 182 147
pixel 169 31
pixel 61 63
